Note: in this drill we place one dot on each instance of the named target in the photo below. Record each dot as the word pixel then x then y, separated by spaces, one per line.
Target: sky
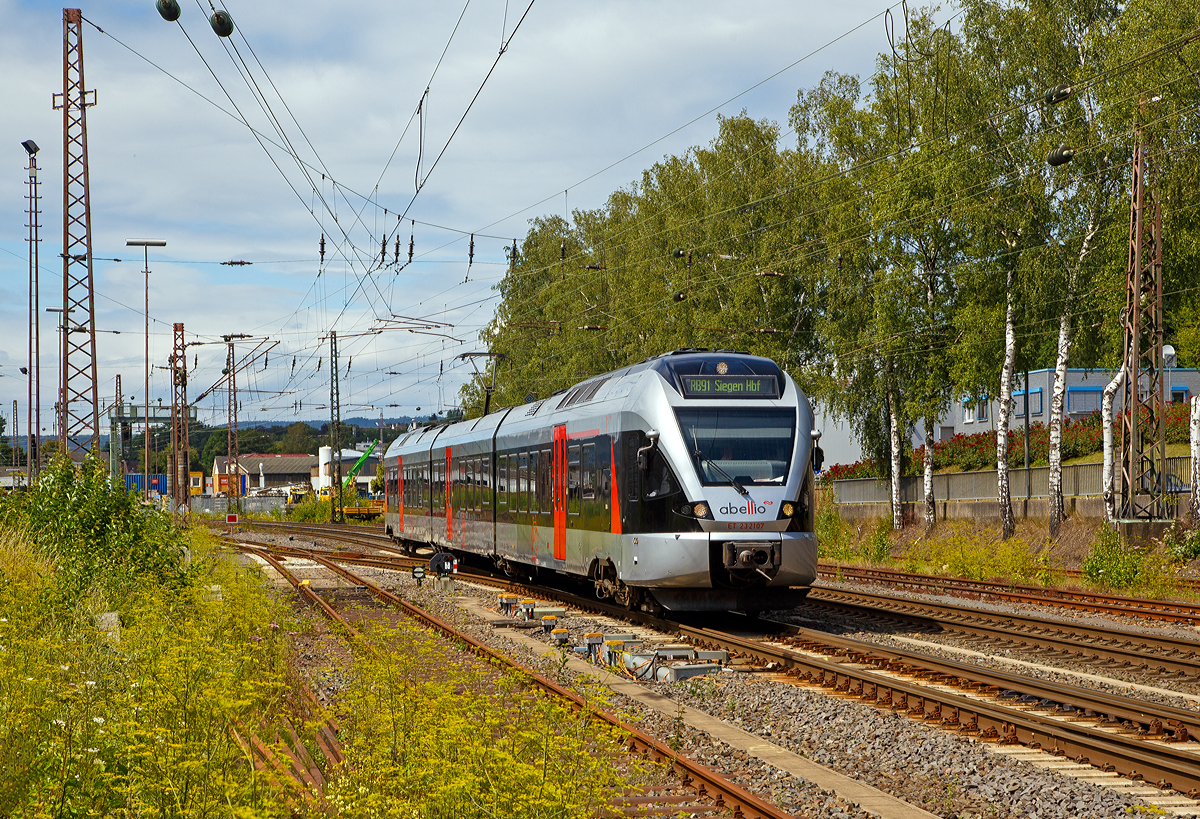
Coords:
pixel 584 97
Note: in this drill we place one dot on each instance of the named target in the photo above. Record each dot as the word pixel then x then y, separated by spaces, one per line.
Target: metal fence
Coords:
pixel 1079 481
pixel 216 506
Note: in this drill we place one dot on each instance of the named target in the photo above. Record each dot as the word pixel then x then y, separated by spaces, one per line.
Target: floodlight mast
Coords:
pixel 33 410
pixel 145 245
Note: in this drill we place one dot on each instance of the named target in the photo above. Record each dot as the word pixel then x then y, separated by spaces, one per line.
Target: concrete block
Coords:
pixel 109 623
pixel 682 671
pixel 713 656
pixel 549 611
pixel 675 653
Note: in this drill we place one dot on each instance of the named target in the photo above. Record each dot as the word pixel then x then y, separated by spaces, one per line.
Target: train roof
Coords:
pixel 671 366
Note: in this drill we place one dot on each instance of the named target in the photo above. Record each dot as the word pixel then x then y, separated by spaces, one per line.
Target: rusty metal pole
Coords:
pixel 79 413
pixel 1143 413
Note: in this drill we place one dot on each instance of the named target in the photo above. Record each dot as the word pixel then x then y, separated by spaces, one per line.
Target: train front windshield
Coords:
pixel 751 446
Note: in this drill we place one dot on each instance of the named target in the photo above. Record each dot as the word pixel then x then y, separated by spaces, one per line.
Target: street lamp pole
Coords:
pixel 145 245
pixel 33 410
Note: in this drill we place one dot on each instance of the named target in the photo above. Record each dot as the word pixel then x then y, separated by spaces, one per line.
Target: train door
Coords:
pixel 559 487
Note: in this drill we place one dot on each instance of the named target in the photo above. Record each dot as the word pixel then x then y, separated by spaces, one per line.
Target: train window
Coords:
pixel 660 481
pixel 485 483
pixel 574 481
pixel 523 483
pixel 545 498
pixel 469 479
pixel 633 441
pixel 588 490
pixel 502 482
pixel 748 446
pixel 534 483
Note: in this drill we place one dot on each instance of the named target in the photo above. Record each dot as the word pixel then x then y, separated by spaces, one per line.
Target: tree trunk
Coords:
pixel 930 507
pixel 894 418
pixel 1056 412
pixel 1106 418
pixel 1060 379
pixel 1008 524
pixel 1194 500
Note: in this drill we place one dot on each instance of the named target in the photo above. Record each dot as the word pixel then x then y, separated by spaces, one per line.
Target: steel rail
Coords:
pixel 1163 654
pixel 725 794
pixel 1168 766
pixel 1145 753
pixel 1153 719
pixel 1081 599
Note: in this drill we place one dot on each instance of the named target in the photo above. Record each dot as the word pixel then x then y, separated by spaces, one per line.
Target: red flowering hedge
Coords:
pixel 970 453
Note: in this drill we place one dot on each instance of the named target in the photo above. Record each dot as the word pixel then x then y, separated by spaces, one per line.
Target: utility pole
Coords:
pixel 1143 416
pixel 180 461
pixel 79 414
pixel 233 503
pixel 116 436
pixel 34 375
pixel 337 514
pixel 13 434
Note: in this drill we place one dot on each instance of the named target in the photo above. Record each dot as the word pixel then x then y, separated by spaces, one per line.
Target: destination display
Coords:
pixel 729 386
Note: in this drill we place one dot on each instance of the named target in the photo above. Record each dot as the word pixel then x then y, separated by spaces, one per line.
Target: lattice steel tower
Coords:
pixel 234 503
pixel 180 471
pixel 79 398
pixel 337 513
pixel 1143 416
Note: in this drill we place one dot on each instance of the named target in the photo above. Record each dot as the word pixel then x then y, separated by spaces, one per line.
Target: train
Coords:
pixel 684 482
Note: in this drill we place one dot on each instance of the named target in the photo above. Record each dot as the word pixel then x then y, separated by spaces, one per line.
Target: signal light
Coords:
pixel 1059 156
pixel 169 9
pixel 1057 94
pixel 678 253
pixel 680 295
pixel 221 23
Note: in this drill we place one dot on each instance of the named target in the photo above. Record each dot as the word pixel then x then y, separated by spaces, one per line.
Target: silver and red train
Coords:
pixel 684 482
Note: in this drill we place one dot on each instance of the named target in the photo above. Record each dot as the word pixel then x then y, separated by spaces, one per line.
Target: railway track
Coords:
pixel 1106 648
pixel 697 790
pixel 1079 599
pixel 1132 737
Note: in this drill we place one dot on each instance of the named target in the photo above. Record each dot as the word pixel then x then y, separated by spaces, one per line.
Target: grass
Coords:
pixel 431 733
pixel 134 721
pixel 1173 451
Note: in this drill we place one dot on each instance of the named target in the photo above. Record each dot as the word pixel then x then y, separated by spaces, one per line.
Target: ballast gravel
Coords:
pixel 875 630
pixel 951 776
pixel 945 774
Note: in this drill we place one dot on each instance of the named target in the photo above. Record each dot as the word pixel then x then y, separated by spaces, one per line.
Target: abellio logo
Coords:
pixel 751 509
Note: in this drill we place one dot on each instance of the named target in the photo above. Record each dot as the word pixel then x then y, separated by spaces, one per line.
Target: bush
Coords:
pixel 1182 543
pixel 1111 562
pixel 94 533
pixel 134 723
pixel 878 547
pixel 833 533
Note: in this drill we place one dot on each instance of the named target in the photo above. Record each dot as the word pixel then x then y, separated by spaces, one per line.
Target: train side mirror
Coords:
pixel 818 458
pixel 645 453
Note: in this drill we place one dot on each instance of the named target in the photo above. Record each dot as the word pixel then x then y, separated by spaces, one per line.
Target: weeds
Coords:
pixel 427 735
pixel 956 549
pixel 878 547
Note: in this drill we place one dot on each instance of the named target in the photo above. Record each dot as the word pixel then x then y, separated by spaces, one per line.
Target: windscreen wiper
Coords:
pixel 702 460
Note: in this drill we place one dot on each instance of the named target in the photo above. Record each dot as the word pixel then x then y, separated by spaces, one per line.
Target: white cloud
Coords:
pixel 583 85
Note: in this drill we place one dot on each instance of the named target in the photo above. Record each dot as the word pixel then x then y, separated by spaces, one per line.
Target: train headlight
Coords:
pixel 789 509
pixel 700 510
